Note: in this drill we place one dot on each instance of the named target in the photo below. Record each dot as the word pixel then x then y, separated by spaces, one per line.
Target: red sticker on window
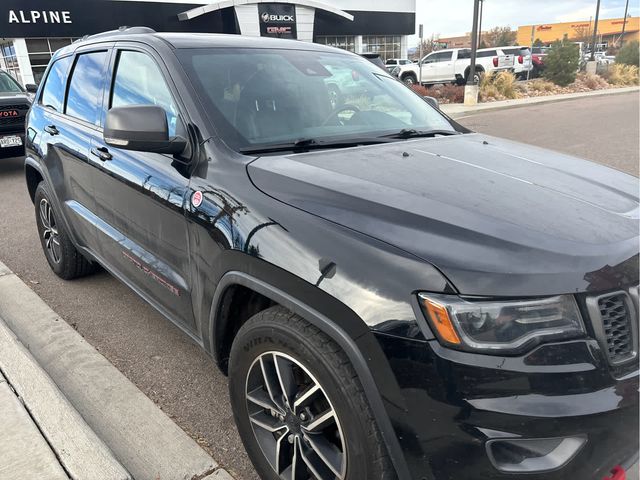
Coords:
pixel 196 198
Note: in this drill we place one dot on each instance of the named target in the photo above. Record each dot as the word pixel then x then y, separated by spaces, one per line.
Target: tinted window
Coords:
pixel 139 81
pixel 487 53
pixel 85 88
pixel 54 87
pixel 444 56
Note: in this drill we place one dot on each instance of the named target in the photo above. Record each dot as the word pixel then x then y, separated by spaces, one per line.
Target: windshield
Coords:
pixel 8 84
pixel 259 97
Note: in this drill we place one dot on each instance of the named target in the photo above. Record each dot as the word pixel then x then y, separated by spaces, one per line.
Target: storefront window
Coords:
pixel 345 42
pixel 40 52
pixel 386 46
pixel 9 60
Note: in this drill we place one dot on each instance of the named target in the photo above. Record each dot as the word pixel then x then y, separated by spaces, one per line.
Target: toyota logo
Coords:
pixel 265 17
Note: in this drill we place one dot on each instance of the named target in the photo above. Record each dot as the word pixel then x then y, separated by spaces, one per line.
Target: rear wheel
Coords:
pixel 63 257
pixel 298 404
pixel 477 76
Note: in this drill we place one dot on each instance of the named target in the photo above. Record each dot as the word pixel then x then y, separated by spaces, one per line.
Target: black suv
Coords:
pixel 14 104
pixel 391 295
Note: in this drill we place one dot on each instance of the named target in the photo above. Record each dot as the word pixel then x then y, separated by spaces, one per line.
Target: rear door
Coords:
pixel 67 118
pixel 141 195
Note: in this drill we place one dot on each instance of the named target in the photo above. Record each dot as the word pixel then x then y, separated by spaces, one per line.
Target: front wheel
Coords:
pixel 299 407
pixel 63 257
pixel 409 80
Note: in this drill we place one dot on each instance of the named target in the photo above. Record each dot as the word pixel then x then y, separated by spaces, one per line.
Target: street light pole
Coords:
pixel 471 87
pixel 624 22
pixel 480 23
pixel 595 33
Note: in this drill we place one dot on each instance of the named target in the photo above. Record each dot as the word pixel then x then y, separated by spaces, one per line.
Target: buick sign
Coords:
pixel 277 20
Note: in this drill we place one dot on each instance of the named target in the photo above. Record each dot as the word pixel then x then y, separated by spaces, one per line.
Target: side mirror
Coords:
pixel 31 87
pixel 432 101
pixel 142 128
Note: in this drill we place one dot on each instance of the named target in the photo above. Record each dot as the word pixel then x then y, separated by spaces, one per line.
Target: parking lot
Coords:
pixel 174 372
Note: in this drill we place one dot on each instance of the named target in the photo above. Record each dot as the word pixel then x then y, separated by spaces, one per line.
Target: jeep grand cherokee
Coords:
pixel 391 295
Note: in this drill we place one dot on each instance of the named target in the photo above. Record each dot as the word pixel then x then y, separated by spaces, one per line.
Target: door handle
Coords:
pixel 102 153
pixel 51 130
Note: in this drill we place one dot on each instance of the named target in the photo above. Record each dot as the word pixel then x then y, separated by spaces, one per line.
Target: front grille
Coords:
pixel 616 323
pixel 12 121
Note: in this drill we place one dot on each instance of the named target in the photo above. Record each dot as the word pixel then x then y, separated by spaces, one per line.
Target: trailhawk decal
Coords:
pixel 150 273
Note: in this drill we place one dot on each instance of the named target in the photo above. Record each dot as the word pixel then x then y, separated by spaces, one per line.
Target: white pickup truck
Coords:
pixel 452 66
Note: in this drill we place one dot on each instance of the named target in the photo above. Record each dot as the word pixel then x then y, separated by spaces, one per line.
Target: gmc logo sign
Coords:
pixel 8 113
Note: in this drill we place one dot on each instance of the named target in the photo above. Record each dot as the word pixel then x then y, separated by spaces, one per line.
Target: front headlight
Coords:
pixel 395 71
pixel 500 327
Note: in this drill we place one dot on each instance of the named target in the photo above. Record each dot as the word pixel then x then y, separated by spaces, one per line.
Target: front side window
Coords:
pixel 8 84
pixel 55 85
pixel 258 97
pixel 444 56
pixel 139 81
pixel 85 88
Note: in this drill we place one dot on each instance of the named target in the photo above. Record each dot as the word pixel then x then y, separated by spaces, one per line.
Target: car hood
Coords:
pixel 12 96
pixel 496 217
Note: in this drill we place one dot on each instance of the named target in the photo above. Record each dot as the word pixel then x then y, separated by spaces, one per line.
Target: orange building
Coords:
pixel 609 31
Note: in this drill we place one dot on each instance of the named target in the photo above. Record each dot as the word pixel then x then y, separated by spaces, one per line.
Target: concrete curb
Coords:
pixel 143 438
pixel 83 455
pixel 459 110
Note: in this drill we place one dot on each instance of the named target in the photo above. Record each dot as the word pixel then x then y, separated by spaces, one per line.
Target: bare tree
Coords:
pixel 499 37
pixel 582 34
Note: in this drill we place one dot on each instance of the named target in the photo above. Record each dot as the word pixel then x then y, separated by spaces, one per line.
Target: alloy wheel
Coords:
pixel 293 420
pixel 50 233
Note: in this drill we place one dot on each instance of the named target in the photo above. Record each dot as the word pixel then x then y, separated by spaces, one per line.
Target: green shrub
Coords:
pixel 629 54
pixel 562 63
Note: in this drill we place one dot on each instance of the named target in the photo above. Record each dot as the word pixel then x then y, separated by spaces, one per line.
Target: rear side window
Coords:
pixel 487 53
pixel 85 89
pixel 139 81
pixel 55 84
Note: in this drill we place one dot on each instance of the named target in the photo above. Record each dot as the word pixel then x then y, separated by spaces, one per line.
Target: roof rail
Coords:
pixel 120 31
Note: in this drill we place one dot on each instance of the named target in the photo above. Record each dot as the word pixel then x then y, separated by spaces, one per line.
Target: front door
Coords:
pixel 141 196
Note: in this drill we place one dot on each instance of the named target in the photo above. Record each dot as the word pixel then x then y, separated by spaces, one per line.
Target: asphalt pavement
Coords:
pixel 174 372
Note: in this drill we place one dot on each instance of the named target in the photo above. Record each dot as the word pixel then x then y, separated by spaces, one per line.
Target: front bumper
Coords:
pixel 455 402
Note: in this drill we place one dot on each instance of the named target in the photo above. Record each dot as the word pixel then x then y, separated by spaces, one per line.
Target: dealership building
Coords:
pixel 31 30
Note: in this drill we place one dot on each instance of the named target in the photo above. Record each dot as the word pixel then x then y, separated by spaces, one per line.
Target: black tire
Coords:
pixel 277 336
pixel 63 257
pixel 410 80
pixel 477 76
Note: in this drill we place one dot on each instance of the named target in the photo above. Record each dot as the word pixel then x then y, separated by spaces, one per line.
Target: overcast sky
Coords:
pixel 454 17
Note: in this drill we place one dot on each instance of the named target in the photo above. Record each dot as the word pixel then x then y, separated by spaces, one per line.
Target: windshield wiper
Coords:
pixel 307 144
pixel 413 133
